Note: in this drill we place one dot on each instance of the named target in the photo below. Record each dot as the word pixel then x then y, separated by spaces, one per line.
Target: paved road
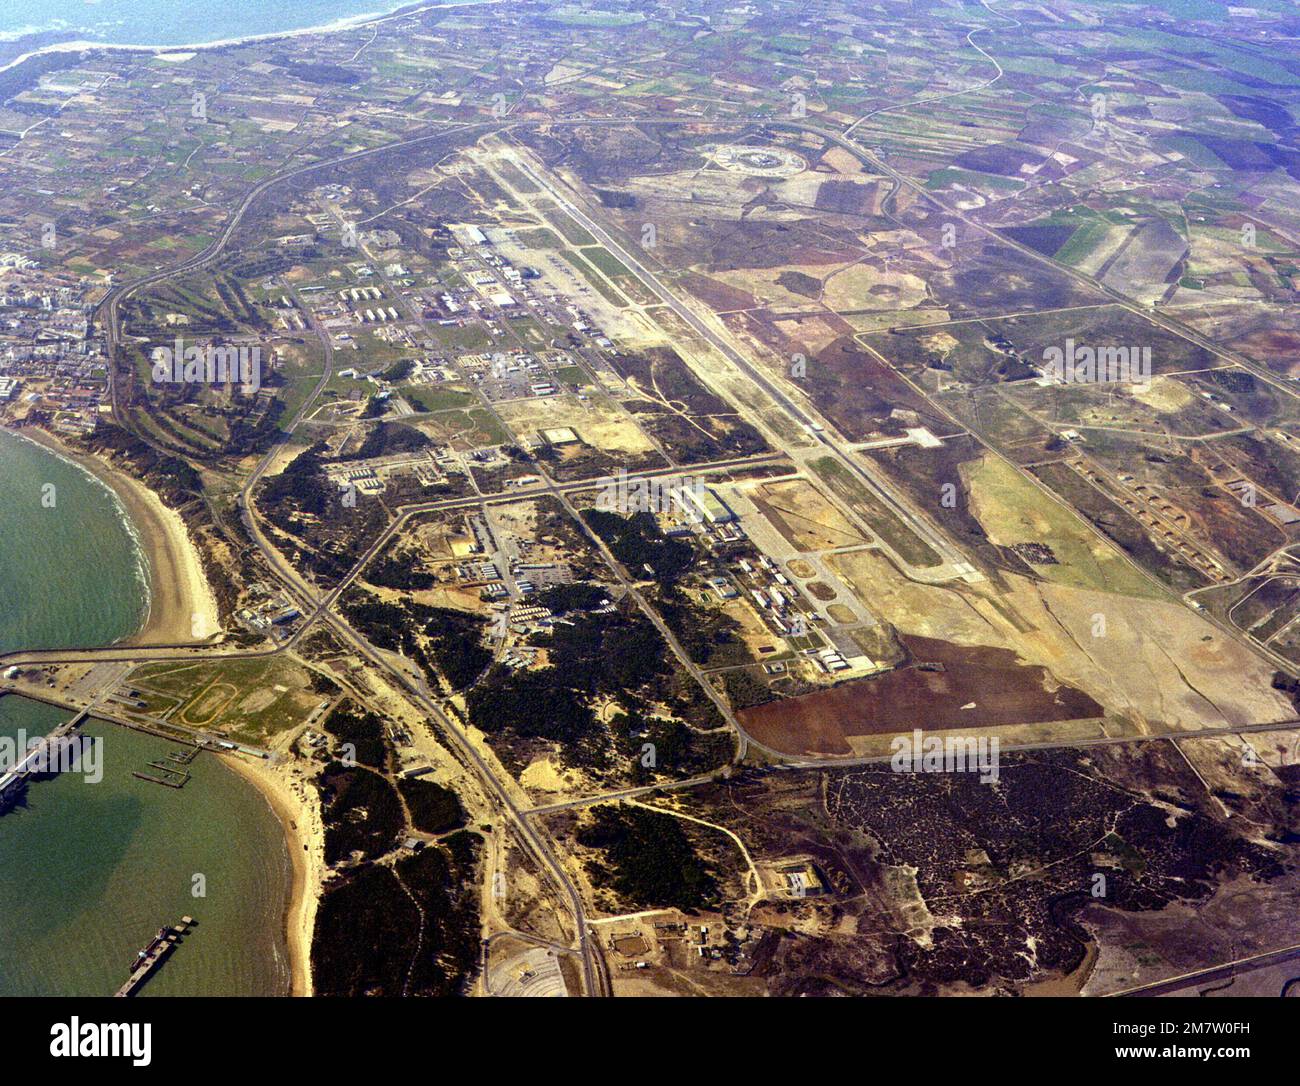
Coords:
pixel 190 650
pixel 1209 975
pixel 876 484
pixel 110 310
pixel 883 759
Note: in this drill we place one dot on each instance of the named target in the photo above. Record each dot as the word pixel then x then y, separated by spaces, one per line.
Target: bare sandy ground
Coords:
pixel 182 607
pixel 293 800
pixel 1155 663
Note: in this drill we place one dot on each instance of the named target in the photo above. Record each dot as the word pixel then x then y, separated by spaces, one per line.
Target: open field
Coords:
pixel 249 701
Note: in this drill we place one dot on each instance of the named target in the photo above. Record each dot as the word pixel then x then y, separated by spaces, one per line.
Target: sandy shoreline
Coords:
pixel 182 607
pixel 287 793
pixel 349 22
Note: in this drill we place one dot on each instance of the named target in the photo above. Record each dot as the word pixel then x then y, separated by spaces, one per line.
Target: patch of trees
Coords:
pixel 1233 380
pixel 1289 686
pixel 609 654
pixel 439 639
pixel 800 283
pixel 707 634
pixel 409 929
pixel 637 542
pixel 647 859
pixel 302 482
pixel 350 723
pixel 535 705
pixel 391 437
pixel 615 199
pixel 318 72
pixel 578 596
pixel 379 622
pixel 322 684
pixel 249 435
pixel 399 370
pixel 744 691
pixel 619 656
pixel 398 571
pixel 336 533
pixel 433 808
pixel 367 928
pixel 455 639
pixel 361 811
pixel 677 750
pixel 23 76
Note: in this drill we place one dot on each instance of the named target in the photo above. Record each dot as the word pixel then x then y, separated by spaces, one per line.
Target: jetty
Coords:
pixel 165 775
pixel 37 760
pixel 154 953
pixel 172 770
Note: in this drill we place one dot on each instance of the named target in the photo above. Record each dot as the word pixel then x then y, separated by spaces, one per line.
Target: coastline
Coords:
pixel 181 604
pixel 350 22
pixel 182 607
pixel 286 792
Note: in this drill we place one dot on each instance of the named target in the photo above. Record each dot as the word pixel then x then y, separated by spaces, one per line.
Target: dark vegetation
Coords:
pixel 706 633
pixel 433 808
pixel 304 504
pixel 744 690
pixel 399 370
pixel 438 639
pixel 578 596
pixel 801 283
pixel 361 811
pixel 1094 819
pixel 368 928
pixel 317 72
pixel 391 437
pixel 364 730
pixel 637 542
pixel 398 571
pixel 376 911
pixel 647 859
pixel 618 656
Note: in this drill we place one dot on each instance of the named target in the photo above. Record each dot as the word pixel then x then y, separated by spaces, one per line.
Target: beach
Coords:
pixel 293 800
pixel 351 22
pixel 182 606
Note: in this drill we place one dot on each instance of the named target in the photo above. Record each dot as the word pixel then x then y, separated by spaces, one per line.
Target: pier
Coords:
pixel 166 776
pixel 171 771
pixel 136 721
pixel 38 757
pixel 155 952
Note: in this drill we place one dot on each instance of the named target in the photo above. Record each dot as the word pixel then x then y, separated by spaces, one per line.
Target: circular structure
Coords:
pixel 758 161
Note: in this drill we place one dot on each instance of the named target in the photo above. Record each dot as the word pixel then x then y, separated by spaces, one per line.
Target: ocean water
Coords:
pixel 70 572
pixel 169 22
pixel 89 872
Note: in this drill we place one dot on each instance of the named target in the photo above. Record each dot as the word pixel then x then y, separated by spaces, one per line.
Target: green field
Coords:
pixel 436 397
pixel 1013 510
